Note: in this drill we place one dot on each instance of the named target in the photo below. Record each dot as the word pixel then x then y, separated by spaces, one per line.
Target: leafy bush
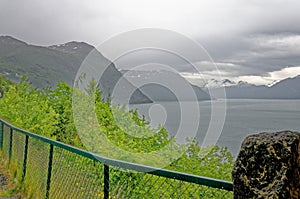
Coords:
pixel 28 108
pixel 49 113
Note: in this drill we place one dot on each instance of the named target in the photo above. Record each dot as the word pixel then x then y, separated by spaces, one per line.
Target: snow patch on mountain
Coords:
pixel 273 83
pixel 213 83
pixel 71 46
pixel 207 84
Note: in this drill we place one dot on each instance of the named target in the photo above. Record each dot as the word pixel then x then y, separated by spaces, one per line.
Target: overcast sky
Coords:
pixel 253 40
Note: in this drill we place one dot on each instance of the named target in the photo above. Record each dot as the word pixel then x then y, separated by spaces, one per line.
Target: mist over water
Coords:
pixel 243 117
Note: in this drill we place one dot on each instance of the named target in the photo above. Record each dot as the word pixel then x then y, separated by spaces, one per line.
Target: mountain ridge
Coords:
pixel 166 85
pixel 47 65
pixel 288 88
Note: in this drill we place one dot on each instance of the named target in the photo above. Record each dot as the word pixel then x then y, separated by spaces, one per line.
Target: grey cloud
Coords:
pixel 232 31
pixel 257 53
pixel 49 22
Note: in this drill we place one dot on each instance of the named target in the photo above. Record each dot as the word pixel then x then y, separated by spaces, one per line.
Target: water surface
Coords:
pixel 243 117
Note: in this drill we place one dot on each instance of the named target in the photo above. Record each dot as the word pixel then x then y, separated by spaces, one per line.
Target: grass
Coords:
pixel 13 188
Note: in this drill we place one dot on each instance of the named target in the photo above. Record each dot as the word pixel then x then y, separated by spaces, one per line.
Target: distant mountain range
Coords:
pixel 285 89
pixel 45 66
pixel 166 86
pixel 213 83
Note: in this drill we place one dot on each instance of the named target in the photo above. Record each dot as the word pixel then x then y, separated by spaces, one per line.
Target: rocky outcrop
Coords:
pixel 268 166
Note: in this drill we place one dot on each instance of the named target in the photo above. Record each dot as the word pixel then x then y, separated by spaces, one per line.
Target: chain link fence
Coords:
pixel 50 169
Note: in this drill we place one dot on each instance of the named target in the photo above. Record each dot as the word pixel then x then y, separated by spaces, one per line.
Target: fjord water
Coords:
pixel 243 117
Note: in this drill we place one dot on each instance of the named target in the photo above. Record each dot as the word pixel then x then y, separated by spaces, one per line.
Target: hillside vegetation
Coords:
pixel 49 113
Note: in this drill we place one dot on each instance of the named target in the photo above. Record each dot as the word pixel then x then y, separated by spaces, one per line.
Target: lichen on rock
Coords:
pixel 268 166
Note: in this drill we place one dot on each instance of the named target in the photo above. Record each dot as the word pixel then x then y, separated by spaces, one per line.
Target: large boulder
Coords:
pixel 268 166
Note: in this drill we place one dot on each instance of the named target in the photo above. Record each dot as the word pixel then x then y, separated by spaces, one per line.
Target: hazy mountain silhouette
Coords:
pixel 166 86
pixel 286 89
pixel 45 66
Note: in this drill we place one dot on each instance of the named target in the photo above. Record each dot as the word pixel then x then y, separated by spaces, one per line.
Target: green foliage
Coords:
pixel 212 161
pixel 60 99
pixel 4 84
pixel 50 114
pixel 28 108
pixel 116 133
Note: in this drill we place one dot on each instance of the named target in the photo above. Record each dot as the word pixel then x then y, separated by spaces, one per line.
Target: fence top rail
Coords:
pixel 201 180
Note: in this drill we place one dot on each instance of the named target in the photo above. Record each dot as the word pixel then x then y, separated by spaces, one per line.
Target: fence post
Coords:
pixel 106 181
pixel 25 158
pixel 1 135
pixel 49 171
pixel 10 145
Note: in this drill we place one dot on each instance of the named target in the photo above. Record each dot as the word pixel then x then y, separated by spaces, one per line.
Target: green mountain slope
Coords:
pixel 45 66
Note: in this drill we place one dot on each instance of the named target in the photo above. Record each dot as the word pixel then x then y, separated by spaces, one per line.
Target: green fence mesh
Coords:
pixel 17 152
pixel 128 184
pixel 37 168
pixel 72 173
pixel 6 134
pixel 83 175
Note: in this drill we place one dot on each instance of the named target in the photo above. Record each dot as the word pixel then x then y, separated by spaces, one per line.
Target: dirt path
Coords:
pixel 3 183
pixel 8 187
pixel 3 180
